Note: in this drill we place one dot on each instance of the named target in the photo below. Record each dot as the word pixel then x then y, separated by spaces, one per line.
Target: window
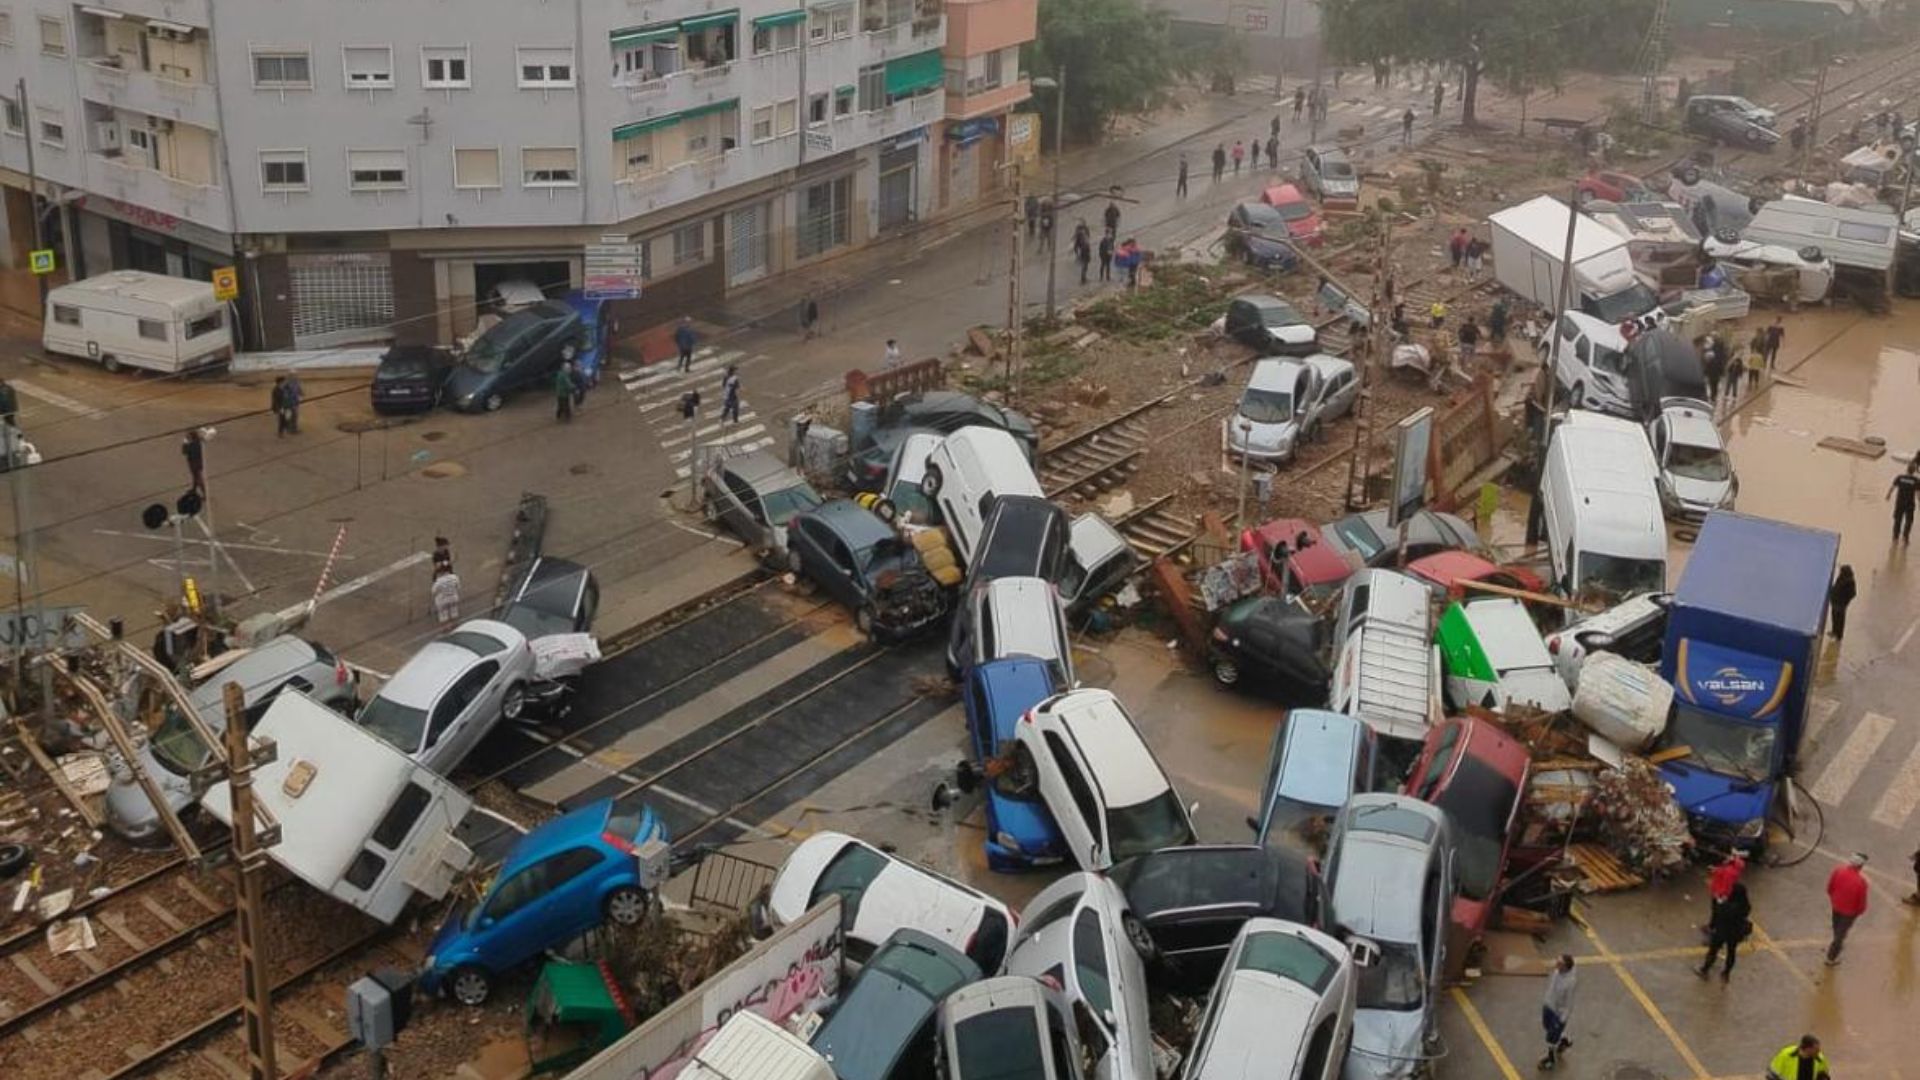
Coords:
pixel 786 116
pixel 53 129
pixel 282 70
pixel 824 216
pixel 843 101
pixel 365 870
pixel 544 68
pixel 476 168
pixel 1083 799
pixel 554 166
pixel 377 170
pixel 283 170
pixel 444 67
pixel 690 244
pixel 6 28
pixel 206 324
pixel 401 816
pixel 53 36
pixel 873 87
pixel 762 123
pixel 816 110
pixel 368 67
pixel 634 154
pixel 518 891
pixel 153 329
pixel 993 68
pixel 570 864
pixel 16 120
pixel 66 316
pixel 772 39
pixel 1090 960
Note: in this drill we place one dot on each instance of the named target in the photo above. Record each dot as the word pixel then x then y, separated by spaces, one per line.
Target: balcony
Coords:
pixel 692 179
pixel 999 99
pixel 154 190
pixel 902 38
pixel 143 92
pixel 981 26
pixel 187 12
pixel 678 92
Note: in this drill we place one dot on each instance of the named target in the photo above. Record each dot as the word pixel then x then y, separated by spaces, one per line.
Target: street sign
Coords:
pixel 41 261
pixel 615 268
pixel 226 284
pixel 49 628
pixel 820 141
pixel 1413 435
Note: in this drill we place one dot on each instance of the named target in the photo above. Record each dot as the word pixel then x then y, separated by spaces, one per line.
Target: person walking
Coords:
pixel 1457 249
pixel 1111 218
pixel 277 399
pixel 563 393
pixel 1847 894
pixel 1273 152
pixel 1800 1061
pixel 1129 256
pixel 1406 127
pixel 295 395
pixel 1439 98
pixel 730 396
pixel 685 339
pixel 1713 366
pixel 1299 102
pixel 1497 321
pixel 1273 129
pixel 194 449
pixel 1180 184
pixel 809 317
pixel 1556 1009
pixel 1736 369
pixel 891 359
pixel 446 596
pixel 1046 224
pixel 1219 161
pixel 1469 335
pixel 1757 345
pixel 1436 314
pixel 1255 144
pixel 1106 256
pixel 1902 492
pixel 1239 155
pixel 1776 337
pixel 1756 362
pixel 1839 595
pixel 1476 251
pixel 1731 924
pixel 442 555
pixel 1082 249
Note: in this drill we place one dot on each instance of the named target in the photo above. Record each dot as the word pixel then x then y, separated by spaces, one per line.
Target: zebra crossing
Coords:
pixel 656 391
pixel 1873 763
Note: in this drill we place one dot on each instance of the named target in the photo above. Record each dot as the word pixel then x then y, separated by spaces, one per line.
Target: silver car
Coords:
pixel 174 751
pixel 1390 876
pixel 754 496
pixel 1282 1008
pixel 444 700
pixel 1011 1026
pixel 1079 933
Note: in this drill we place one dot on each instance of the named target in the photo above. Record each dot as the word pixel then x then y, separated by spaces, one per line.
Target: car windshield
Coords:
pixel 1358 535
pixel 1280 314
pixel 400 365
pixel 1149 826
pixel 536 622
pixel 849 874
pixel 490 352
pixel 908 499
pixel 1336 168
pixel 782 505
pixel 1626 304
pixel 1289 957
pixel 1262 216
pixel 1000 1045
pixel 401 725
pixel 1393 981
pixel 1609 360
pixel 1723 744
pixel 177 746
pixel 1620 575
pixel 1293 211
pixel 1707 463
pixel 1480 801
pixel 1267 406
pixel 475 642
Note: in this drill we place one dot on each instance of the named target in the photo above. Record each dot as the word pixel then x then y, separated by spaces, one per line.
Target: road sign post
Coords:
pixel 615 268
pixel 226 284
pixel 41 260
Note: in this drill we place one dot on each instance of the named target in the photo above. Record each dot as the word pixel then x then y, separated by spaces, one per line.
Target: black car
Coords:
pixel 1192 901
pixel 865 565
pixel 1721 118
pixel 553 597
pixel 1258 234
pixel 1025 536
pixel 520 351
pixel 410 378
pixel 867 468
pixel 1272 643
pixel 947 411
pixel 1429 532
pixel 1270 326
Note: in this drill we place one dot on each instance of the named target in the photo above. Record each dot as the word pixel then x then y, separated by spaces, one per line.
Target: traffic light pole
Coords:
pixel 256 986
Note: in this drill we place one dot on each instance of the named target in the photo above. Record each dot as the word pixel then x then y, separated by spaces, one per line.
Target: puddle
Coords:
pixel 444 470
pixel 582 469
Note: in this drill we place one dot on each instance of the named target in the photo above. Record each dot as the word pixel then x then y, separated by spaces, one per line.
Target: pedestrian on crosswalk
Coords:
pixel 1239 155
pixel 1902 492
pixel 1299 102
pixel 1847 894
pixel 730 396
pixel 1180 185
pixel 685 338
pixel 1839 595
pixel 1255 143
pixel 1220 158
pixel 1406 127
pixel 1556 1008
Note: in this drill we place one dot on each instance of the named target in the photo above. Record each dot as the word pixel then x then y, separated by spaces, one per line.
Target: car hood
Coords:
pixel 1292 334
pixel 1712 795
pixel 463 381
pixel 1705 494
pixel 1536 686
pixel 445 939
pixel 1386 1044
pixel 1261 436
pixel 900 896
pixel 1027 822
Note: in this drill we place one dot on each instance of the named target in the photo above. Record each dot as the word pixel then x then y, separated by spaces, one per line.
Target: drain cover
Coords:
pixel 1630 1071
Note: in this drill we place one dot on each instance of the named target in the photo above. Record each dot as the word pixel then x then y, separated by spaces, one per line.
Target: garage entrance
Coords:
pixel 550 277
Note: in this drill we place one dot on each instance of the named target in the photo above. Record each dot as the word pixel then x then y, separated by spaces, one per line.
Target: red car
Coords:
pixel 1478 775
pixel 1315 570
pixel 1303 221
pixel 1448 572
pixel 1616 187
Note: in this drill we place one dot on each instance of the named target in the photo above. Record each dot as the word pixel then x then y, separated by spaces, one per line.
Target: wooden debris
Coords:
pixel 1602 870
pixel 1671 753
pixel 59 778
pixel 1523 920
pixel 1856 447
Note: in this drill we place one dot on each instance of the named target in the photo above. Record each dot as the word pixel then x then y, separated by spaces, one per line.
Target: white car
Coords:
pixel 445 699
pixel 1282 1008
pixel 1635 628
pixel 1286 403
pixel 1079 934
pixel 1109 795
pixel 1495 657
pixel 1016 616
pixel 967 467
pixel 902 486
pixel 882 894
pixel 1815 270
pixel 1589 363
pixel 1010 1026
pixel 1696 473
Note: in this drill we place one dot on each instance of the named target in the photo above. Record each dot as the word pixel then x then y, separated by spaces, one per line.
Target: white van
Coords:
pixel 1386 671
pixel 751 1047
pixel 359 820
pixel 130 318
pixel 967 467
pixel 1600 507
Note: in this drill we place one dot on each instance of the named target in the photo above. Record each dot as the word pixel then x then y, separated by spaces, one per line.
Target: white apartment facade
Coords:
pixel 376 166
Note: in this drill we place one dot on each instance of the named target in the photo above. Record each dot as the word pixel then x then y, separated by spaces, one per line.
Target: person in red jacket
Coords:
pixel 1847 892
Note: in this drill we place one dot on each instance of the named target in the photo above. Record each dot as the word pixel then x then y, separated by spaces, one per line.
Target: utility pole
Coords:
pixel 1059 147
pixel 1360 461
pixel 249 852
pixel 1563 301
pixel 1015 322
pixel 1813 119
pixel 1246 457
pixel 33 180
pixel 1280 65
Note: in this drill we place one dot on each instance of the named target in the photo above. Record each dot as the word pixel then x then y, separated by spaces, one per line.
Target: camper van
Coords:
pixel 1600 507
pixel 359 820
pixel 130 318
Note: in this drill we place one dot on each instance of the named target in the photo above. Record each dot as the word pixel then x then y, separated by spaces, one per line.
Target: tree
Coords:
pixel 1117 55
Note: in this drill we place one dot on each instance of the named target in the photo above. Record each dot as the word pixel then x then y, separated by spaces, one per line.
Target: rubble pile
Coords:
pixel 1638 819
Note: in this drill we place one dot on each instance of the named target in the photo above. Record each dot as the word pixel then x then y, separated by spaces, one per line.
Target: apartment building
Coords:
pixel 376 167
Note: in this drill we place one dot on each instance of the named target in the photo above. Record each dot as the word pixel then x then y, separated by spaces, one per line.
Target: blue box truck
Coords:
pixel 1743 634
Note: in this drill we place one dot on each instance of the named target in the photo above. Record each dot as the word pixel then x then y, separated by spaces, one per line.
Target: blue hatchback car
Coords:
pixel 561 880
pixel 1021 832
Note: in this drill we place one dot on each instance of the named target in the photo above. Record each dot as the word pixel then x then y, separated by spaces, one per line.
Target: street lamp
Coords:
pixel 1059 86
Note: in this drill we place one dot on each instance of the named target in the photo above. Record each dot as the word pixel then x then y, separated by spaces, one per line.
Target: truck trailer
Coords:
pixel 1529 242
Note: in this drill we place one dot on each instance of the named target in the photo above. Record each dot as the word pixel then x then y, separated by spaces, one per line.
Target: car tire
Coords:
pixel 1577 397
pixel 626 906
pixel 931 480
pixel 470 985
pixel 1754 138
pixel 1226 672
pixel 110 362
pixel 493 402
pixel 13 859
pixel 513 703
pixel 1689 175
pixel 1138 937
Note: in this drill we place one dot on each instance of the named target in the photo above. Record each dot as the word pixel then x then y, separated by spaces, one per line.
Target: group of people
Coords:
pixel 1465 250
pixel 1727 363
pixel 1313 101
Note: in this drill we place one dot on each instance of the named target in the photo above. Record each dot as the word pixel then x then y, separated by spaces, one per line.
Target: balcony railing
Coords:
pixel 107 69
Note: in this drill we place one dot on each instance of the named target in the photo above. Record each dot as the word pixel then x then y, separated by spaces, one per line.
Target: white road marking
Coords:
pixel 221 552
pixel 1820 712
pixel 1838 777
pixel 1901 645
pixel 733 435
pixel 745 417
pixel 167 538
pixel 709 394
pixel 346 588
pixel 745 448
pixel 57 399
pixel 650 379
pixel 1902 795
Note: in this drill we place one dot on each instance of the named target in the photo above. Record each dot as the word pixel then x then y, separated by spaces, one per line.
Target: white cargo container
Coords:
pixel 130 318
pixel 1529 242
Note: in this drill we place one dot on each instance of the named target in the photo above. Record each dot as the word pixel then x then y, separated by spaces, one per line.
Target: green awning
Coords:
pixel 783 18
pixel 917 72
pixel 710 107
pixel 845 91
pixel 641 127
pixel 718 18
pixel 645 35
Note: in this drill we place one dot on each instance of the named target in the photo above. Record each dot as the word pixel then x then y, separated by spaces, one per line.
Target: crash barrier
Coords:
pixel 929 374
pixel 728 883
pixel 796 970
pixel 1467 437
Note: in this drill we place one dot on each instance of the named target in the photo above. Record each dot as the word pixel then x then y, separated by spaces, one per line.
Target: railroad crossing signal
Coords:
pixel 226 284
pixel 41 260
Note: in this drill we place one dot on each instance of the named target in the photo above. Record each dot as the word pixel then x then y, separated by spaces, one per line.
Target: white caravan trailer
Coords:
pixel 130 318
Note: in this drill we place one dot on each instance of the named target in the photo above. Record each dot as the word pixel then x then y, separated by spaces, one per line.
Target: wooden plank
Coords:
pixel 59 778
pixel 1870 451
pixel 35 975
pixel 1671 753
pixel 154 907
pixel 117 924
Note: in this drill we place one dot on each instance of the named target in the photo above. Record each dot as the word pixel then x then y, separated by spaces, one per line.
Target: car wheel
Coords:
pixel 1138 937
pixel 626 906
pixel 110 362
pixel 13 859
pixel 1754 137
pixel 514 702
pixel 494 401
pixel 1690 175
pixel 1226 672
pixel 793 561
pixel 863 621
pixel 471 985
pixel 760 913
pixel 1577 397
pixel 931 480
pixel 568 352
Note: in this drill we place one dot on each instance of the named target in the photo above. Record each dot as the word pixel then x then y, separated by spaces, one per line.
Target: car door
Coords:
pixel 734 505
pixel 845 580
pixel 1310 170
pixel 510 928
pixel 471 706
pixel 572 880
pixel 1070 795
pixel 1311 390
